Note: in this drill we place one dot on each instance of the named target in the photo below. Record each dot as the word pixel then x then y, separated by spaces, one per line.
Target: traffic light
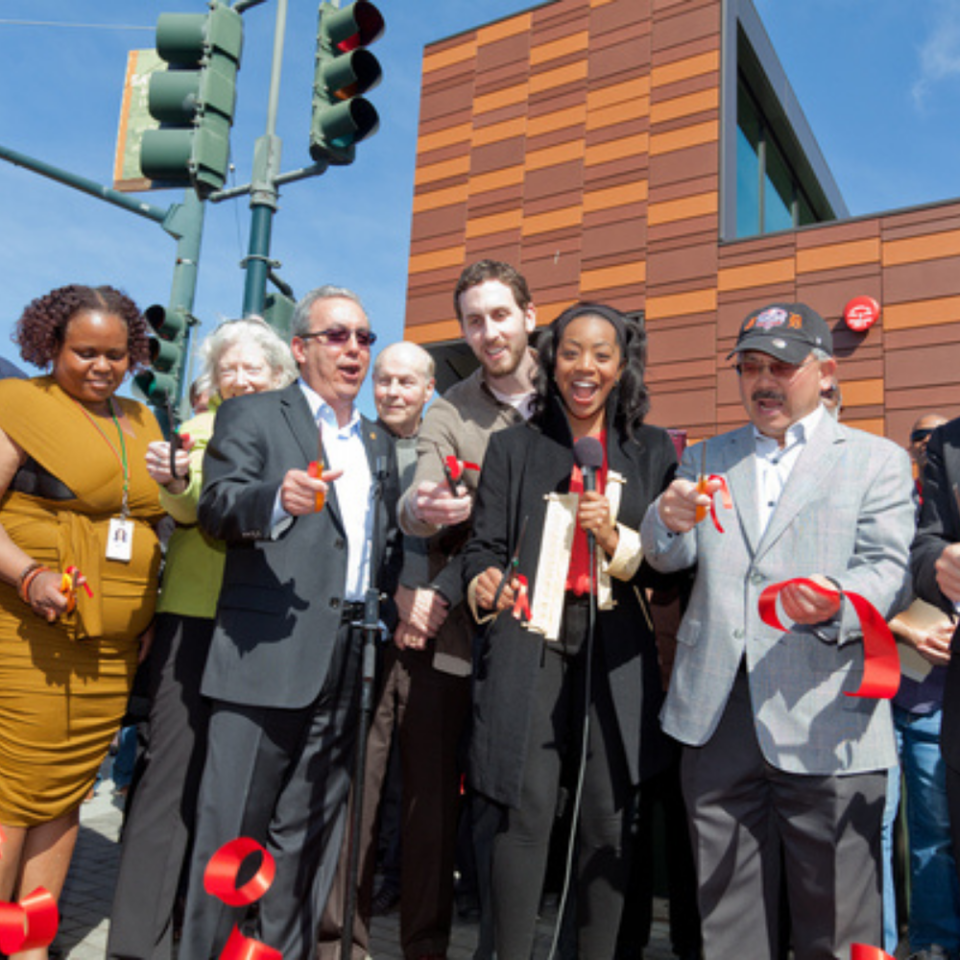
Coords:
pixel 194 98
pixel 160 383
pixel 345 69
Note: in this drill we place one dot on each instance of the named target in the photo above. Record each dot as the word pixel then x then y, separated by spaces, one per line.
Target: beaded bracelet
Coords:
pixel 29 568
pixel 27 578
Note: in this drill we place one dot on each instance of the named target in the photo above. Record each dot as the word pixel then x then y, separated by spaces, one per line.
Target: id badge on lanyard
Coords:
pixel 120 536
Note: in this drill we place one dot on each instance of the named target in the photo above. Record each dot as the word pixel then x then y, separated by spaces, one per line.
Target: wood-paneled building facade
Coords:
pixel 650 154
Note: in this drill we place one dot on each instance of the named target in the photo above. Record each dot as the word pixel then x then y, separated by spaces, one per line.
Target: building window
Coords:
pixel 769 195
pixel 773 175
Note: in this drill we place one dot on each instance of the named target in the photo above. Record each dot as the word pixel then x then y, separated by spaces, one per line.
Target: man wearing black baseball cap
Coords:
pixel 783 774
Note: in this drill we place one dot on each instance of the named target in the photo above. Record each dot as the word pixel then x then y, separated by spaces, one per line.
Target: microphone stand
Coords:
pixel 589 481
pixel 368 672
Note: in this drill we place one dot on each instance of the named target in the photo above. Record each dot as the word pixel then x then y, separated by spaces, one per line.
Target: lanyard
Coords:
pixel 121 457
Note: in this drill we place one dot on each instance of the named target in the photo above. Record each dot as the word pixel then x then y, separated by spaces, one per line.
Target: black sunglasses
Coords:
pixel 339 336
pixel 918 436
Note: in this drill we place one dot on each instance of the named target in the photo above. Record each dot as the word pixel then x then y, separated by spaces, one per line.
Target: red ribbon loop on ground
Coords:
pixel 521 606
pixel 220 877
pixel 239 947
pixel 29 924
pixel 881 662
pixel 860 951
pixel 726 499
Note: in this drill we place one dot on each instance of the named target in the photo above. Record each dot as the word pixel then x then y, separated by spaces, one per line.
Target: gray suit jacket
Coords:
pixel 847 512
pixel 280 604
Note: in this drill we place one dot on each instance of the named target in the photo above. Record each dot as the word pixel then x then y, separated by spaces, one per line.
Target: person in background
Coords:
pixel 832 398
pixel 240 357
pixel 202 391
pixel 782 772
pixel 79 560
pixel 934 926
pixel 919 438
pixel 551 692
pixel 403 383
pixel 303 490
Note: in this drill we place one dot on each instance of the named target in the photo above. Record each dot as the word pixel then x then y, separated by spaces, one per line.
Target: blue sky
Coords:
pixel 879 81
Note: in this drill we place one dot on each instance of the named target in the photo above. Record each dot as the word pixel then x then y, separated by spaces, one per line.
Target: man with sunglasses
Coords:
pixel 293 479
pixel 782 772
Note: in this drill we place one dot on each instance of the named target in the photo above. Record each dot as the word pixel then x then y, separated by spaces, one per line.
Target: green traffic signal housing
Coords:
pixel 345 70
pixel 194 99
pixel 160 383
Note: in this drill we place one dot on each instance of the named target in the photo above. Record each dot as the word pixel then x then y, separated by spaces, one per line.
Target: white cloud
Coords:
pixel 939 54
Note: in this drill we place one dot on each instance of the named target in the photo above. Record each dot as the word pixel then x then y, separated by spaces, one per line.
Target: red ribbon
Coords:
pixel 521 606
pixel 29 924
pixel 725 497
pixel 239 947
pixel 881 662
pixel 860 951
pixel 457 467
pixel 220 877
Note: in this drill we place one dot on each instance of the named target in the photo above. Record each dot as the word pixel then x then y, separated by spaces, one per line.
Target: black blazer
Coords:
pixel 280 603
pixel 939 527
pixel 522 465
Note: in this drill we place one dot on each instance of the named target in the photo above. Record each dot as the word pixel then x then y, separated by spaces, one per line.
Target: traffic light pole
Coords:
pixel 264 193
pixel 159 215
pixel 185 270
pixel 183 221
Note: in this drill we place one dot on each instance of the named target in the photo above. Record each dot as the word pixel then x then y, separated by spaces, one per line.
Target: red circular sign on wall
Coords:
pixel 861 313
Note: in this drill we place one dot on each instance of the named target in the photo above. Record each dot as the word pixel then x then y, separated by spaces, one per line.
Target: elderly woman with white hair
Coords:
pixel 240 356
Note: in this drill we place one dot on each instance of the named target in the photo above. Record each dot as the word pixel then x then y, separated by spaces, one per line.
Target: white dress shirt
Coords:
pixel 344 451
pixel 774 463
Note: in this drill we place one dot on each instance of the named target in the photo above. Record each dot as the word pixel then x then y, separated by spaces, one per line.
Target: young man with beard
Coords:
pixel 435 635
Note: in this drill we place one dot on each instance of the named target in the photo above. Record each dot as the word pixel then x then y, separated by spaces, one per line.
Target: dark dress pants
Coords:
pixel 282 778
pixel 603 847
pixel 749 821
pixel 160 819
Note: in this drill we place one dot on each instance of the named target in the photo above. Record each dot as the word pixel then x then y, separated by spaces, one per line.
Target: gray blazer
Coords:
pixel 280 603
pixel 847 512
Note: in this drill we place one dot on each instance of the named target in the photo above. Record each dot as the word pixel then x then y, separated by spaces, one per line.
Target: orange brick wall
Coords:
pixel 580 141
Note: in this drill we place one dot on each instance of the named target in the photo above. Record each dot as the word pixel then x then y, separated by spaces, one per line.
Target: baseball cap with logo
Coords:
pixel 787 331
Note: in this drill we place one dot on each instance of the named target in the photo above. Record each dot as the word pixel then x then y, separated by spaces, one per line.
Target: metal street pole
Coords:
pixel 183 289
pixel 264 193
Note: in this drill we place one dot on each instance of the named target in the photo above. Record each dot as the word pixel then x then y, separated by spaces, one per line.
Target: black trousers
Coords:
pixel 160 820
pixel 521 847
pixel 280 777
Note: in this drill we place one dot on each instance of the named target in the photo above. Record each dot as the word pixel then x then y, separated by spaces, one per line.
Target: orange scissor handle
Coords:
pixel 314 469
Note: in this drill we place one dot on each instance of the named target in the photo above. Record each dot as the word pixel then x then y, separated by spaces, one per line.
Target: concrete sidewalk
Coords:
pixel 88 895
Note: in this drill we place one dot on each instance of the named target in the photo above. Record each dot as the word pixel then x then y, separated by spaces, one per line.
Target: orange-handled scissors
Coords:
pixel 73 578
pixel 314 469
pixel 701 512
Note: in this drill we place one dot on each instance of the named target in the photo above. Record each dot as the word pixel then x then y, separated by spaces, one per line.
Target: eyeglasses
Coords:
pixel 340 336
pixel 778 369
pixel 918 436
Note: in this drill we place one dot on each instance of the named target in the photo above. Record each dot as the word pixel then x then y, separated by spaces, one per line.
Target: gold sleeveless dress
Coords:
pixel 64 685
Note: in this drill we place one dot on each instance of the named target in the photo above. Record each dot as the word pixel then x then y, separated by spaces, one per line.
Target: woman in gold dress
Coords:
pixel 78 563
